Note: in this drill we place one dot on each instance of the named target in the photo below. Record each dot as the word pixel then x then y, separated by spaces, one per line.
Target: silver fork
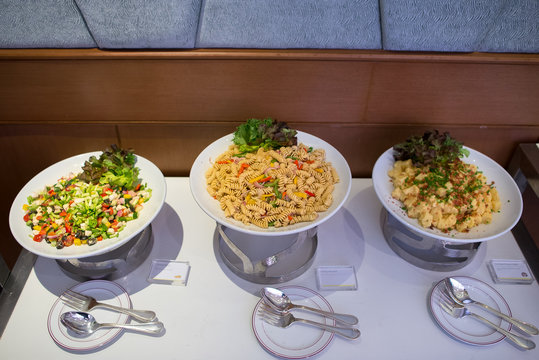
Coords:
pixel 459 311
pixel 285 319
pixel 82 302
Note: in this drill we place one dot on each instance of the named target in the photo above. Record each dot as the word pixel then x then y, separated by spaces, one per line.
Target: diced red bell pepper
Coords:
pixel 39 237
pixel 242 167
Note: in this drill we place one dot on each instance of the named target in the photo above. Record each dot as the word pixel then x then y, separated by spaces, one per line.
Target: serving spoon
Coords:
pixel 458 292
pixel 279 301
pixel 85 324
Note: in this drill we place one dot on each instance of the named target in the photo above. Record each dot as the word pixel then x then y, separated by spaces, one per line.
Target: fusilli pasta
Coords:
pixel 272 188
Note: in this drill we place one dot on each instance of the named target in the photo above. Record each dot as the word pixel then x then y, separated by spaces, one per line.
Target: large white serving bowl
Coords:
pixel 502 222
pixel 150 175
pixel 210 206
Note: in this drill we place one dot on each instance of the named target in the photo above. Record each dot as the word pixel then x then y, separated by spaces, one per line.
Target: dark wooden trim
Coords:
pixel 262 54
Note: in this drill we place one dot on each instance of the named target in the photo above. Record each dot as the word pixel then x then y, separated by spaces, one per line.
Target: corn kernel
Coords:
pixel 77 242
pixel 25 207
pixel 37 227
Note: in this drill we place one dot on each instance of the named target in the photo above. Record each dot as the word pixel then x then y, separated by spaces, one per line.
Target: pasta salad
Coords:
pixel 272 185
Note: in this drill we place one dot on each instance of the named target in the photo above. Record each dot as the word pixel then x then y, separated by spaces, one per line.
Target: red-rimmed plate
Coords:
pixel 104 291
pixel 297 341
pixel 468 329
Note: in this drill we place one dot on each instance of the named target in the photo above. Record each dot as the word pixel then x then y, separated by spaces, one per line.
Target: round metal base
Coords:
pixel 426 252
pixel 265 259
pixel 114 264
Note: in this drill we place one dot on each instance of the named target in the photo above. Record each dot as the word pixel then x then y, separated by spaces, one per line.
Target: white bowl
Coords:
pixel 150 175
pixel 502 222
pixel 204 161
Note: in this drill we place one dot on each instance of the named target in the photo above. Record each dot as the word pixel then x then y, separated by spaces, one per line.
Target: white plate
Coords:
pixel 468 329
pixel 297 341
pixel 204 161
pixel 104 291
pixel 149 173
pixel 502 222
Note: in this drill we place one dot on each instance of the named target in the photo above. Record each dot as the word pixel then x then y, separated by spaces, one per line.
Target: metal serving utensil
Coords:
pixel 459 295
pixel 284 320
pixel 85 324
pixel 279 301
pixel 82 302
pixel 457 310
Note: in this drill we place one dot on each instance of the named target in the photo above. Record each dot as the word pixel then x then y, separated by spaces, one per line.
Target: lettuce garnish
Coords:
pixel 266 134
pixel 432 149
pixel 115 167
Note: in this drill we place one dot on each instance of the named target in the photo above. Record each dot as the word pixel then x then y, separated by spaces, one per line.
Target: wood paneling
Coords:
pixel 444 93
pixel 182 90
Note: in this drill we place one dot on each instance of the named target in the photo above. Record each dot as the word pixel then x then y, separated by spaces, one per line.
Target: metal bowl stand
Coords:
pixel 113 264
pixel 247 255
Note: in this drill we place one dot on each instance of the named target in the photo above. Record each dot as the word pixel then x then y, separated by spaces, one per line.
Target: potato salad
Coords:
pixel 437 188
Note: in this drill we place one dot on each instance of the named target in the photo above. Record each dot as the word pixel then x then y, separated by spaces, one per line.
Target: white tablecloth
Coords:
pixel 210 318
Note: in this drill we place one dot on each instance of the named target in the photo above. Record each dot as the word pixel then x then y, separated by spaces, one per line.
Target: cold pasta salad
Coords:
pixel 272 185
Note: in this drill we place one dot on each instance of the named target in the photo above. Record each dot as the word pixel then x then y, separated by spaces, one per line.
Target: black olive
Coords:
pixel 92 241
pixel 59 244
pixel 83 237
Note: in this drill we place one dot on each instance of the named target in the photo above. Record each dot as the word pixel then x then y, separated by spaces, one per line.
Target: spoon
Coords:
pixel 461 296
pixel 85 324
pixel 278 300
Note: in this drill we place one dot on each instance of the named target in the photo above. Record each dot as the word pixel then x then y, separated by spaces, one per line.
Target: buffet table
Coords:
pixel 210 317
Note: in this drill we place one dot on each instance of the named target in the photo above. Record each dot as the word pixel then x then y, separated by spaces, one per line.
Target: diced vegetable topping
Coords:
pixel 86 208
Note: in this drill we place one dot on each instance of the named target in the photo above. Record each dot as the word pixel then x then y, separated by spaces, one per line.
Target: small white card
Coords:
pixel 169 272
pixel 510 271
pixel 336 278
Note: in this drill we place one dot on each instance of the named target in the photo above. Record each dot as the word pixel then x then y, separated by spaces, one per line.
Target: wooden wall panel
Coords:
pixel 449 93
pixel 182 90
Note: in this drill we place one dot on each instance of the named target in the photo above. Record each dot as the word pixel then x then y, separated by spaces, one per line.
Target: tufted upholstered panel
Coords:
pixel 42 24
pixel 142 23
pixel 460 25
pixel 328 24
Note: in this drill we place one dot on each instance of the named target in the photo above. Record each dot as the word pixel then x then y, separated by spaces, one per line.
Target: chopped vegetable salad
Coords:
pixel 76 212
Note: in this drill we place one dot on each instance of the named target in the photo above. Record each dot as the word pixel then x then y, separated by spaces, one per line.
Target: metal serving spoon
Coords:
pixel 85 324
pixel 278 300
pixel 461 296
